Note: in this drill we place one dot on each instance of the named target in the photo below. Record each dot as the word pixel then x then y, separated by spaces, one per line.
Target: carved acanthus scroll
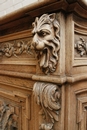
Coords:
pixel 46 41
pixel 8 119
pixel 47 95
pixel 15 48
pixel 81 47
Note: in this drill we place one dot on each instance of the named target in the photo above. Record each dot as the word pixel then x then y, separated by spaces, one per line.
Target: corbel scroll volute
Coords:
pixel 46 42
pixel 47 95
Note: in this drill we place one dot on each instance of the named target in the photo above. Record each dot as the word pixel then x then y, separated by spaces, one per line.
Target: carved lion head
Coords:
pixel 46 41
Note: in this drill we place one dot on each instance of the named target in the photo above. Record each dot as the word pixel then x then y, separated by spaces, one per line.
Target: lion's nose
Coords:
pixel 34 44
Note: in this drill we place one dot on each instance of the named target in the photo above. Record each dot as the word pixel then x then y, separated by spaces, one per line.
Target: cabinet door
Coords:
pixel 15 110
pixel 76 106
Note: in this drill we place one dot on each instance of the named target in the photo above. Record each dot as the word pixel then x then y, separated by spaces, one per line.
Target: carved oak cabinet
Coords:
pixel 43 67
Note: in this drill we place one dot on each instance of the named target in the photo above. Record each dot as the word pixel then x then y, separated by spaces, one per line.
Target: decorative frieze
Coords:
pixel 46 41
pixel 47 95
pixel 15 48
pixel 8 118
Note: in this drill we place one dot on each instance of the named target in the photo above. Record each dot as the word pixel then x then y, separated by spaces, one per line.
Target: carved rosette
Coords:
pixel 81 47
pixel 46 42
pixel 8 119
pixel 47 95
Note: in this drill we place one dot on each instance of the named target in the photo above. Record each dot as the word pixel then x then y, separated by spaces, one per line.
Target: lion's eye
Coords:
pixel 43 33
pixel 33 33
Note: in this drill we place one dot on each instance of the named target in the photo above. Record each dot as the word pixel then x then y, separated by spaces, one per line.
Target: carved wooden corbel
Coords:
pixel 47 95
pixel 46 41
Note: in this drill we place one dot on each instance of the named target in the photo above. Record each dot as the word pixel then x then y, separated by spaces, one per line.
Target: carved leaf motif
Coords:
pixel 46 126
pixel 46 42
pixel 47 95
pixel 81 47
pixel 15 48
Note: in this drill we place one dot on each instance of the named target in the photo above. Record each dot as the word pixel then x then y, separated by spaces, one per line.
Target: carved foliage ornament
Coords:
pixel 15 48
pixel 46 41
pixel 81 47
pixel 47 95
pixel 8 120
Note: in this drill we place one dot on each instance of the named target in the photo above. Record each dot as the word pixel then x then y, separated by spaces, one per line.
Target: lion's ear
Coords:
pixel 52 16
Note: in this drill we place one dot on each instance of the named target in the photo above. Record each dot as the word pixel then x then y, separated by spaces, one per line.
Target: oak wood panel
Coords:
pixel 20 70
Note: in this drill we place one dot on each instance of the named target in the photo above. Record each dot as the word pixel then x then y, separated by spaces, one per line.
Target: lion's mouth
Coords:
pixel 44 57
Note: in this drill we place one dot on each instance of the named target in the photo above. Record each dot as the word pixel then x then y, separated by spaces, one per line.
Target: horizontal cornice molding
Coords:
pixel 46 6
pixel 52 79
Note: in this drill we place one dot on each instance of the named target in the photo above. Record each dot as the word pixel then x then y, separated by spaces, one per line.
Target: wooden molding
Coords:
pixel 52 79
pixel 17 35
pixel 38 8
